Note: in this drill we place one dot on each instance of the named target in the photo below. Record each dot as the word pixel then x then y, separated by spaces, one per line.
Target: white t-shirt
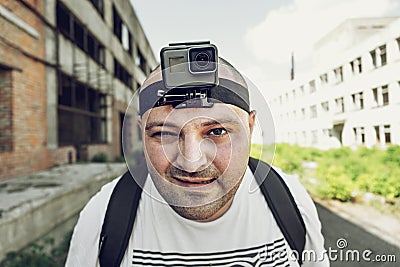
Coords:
pixel 246 235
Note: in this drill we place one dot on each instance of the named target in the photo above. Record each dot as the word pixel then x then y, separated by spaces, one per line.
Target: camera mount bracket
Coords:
pixel 192 98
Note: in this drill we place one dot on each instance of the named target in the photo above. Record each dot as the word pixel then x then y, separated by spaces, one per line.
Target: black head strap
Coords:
pixel 226 91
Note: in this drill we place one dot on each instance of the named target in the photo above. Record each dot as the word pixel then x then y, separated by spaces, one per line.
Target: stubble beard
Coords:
pixel 206 211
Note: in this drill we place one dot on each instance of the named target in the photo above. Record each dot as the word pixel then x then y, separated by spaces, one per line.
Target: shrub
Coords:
pixel 119 159
pixel 100 157
pixel 392 155
pixel 336 184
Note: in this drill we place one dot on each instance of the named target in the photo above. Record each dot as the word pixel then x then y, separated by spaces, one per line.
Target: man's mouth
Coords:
pixel 191 182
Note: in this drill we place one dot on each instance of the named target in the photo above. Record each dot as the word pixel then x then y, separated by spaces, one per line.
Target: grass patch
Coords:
pixel 40 255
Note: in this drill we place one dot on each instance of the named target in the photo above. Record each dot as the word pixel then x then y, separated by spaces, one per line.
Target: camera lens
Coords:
pixel 202 59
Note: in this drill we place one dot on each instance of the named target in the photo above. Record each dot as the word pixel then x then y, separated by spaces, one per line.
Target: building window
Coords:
pixel 6 137
pixel 126 39
pixel 81 113
pixel 122 32
pixel 294 114
pixel 373 57
pixel 325 106
pixel 141 62
pixel 313 111
pixel 324 78
pixel 381 95
pixel 377 134
pixel 303 113
pixel 356 66
pixel 398 43
pixel 287 97
pixel 359 134
pixel 375 94
pixel 294 93
pixel 64 20
pixel 382 54
pixel 385 95
pixel 358 100
pixel 99 5
pixel 339 74
pixel 79 35
pixel 386 130
pixel 312 86
pixel 122 74
pixel 117 24
pixel 95 49
pixel 280 100
pixel 339 105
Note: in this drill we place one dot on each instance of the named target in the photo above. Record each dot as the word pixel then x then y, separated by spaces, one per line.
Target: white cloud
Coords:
pixel 297 26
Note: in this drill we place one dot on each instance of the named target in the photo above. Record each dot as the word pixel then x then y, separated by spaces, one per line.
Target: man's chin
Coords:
pixel 209 211
pixel 199 213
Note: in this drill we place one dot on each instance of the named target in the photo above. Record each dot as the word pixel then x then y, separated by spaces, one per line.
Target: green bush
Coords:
pixel 100 157
pixel 392 155
pixel 119 159
pixel 336 184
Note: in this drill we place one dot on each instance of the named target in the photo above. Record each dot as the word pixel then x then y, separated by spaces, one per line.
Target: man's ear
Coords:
pixel 252 120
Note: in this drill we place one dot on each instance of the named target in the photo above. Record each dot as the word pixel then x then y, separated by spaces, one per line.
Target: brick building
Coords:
pixel 68 70
pixel 23 131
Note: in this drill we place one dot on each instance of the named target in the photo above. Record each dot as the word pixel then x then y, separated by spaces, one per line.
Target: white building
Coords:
pixel 352 97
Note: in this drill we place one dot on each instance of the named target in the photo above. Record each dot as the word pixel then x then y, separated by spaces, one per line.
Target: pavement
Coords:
pixel 382 225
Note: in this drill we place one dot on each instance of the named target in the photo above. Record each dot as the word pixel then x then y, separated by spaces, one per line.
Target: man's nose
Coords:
pixel 192 153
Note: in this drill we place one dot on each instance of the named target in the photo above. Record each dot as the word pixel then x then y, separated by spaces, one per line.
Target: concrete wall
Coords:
pixel 33 205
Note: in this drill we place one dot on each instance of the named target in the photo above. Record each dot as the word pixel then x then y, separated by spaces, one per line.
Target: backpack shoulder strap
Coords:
pixel 281 203
pixel 120 217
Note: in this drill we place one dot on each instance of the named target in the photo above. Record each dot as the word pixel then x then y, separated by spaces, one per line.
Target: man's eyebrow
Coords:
pixel 221 121
pixel 159 124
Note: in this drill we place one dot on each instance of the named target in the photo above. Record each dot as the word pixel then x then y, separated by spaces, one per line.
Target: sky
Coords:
pixel 256 36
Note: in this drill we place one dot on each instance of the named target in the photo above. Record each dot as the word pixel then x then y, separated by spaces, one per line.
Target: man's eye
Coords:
pixel 217 132
pixel 163 134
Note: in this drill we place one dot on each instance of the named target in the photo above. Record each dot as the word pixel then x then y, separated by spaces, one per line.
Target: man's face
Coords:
pixel 197 156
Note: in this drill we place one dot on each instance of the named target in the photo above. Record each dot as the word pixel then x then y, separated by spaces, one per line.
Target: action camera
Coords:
pixel 188 65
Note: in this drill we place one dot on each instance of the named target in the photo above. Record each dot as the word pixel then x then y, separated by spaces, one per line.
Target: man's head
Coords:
pixel 197 156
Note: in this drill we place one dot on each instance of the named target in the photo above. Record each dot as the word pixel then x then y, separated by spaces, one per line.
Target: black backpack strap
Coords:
pixel 120 217
pixel 282 204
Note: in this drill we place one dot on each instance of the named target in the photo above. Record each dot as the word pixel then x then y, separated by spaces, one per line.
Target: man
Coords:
pixel 196 208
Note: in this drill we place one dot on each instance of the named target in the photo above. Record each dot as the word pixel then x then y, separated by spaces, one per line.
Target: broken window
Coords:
pixel 81 113
pixel 122 74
